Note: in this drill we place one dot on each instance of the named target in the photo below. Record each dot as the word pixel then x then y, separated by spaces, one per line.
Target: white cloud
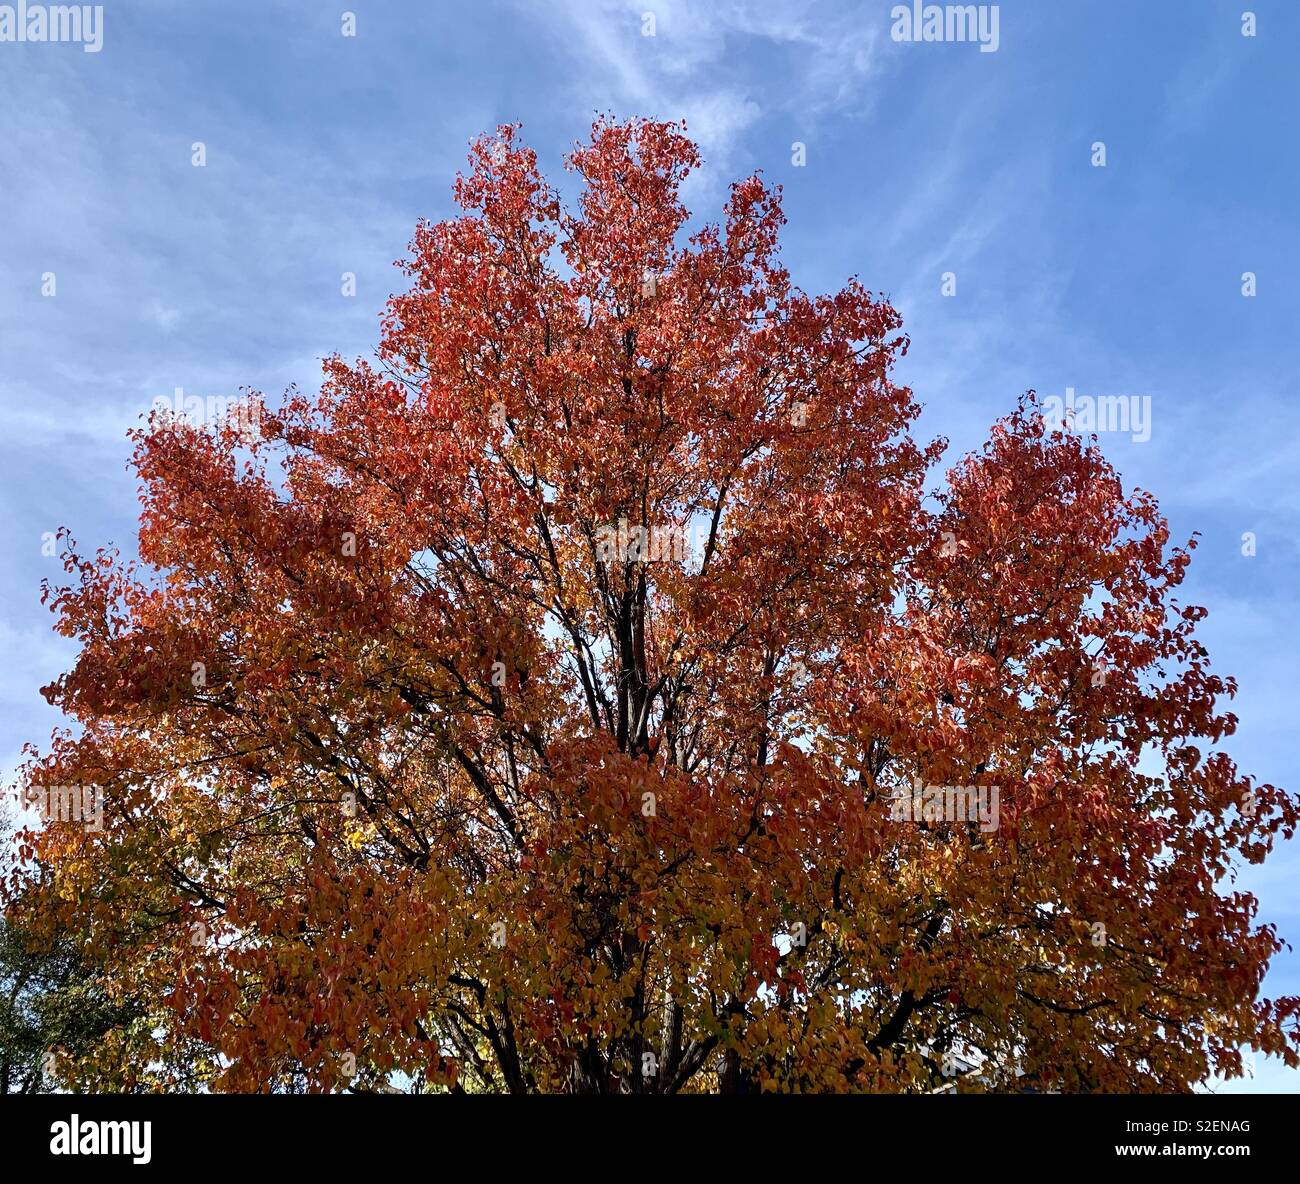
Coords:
pixel 682 71
pixel 32 660
pixel 165 318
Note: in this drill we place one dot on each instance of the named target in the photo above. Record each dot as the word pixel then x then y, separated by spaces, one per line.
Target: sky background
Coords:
pixel 323 151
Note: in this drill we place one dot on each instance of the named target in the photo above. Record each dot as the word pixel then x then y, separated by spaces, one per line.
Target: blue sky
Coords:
pixel 921 159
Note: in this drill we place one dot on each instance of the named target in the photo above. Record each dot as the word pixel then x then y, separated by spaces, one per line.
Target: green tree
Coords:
pixel 52 1001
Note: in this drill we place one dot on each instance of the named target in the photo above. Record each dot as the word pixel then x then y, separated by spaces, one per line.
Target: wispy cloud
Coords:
pixel 678 60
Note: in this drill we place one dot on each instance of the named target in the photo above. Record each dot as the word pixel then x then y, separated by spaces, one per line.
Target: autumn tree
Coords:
pixel 531 709
pixel 55 1009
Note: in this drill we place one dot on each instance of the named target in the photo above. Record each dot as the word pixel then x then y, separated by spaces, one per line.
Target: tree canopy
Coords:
pixel 530 709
